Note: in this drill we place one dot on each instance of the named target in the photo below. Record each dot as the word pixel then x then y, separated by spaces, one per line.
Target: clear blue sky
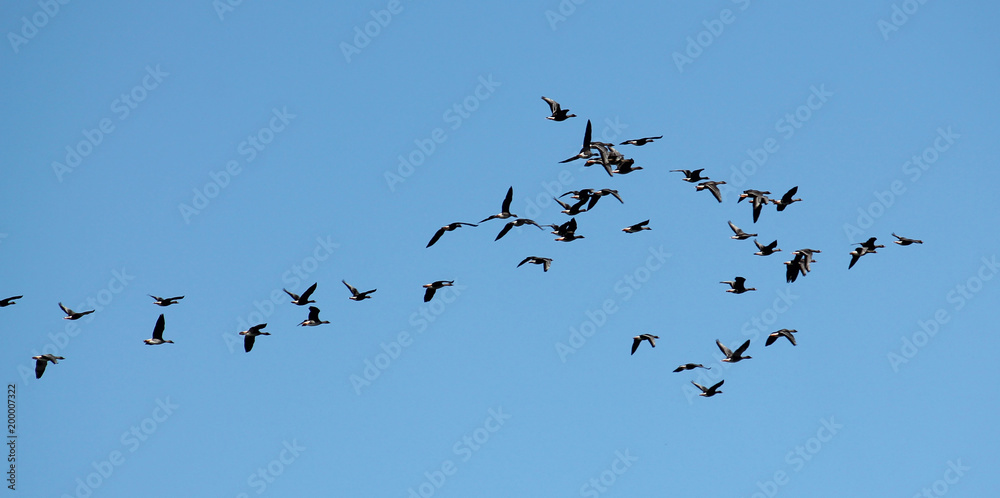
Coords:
pixel 223 154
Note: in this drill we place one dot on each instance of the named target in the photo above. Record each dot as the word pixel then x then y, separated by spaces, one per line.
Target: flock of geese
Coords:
pixel 614 163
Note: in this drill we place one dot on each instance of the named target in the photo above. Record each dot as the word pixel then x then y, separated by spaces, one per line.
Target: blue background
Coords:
pixel 260 147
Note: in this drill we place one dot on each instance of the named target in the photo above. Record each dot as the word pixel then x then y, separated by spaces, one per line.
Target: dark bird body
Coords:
pixel 734 356
pixel 358 296
pixel 313 319
pixel 250 334
pixel 43 360
pixel 786 333
pixel 545 262
pixel 504 208
pixel 304 298
pixel 637 340
pixel 712 187
pixel 157 333
pixel 447 228
pixel 558 113
pixel 434 286
pixel 159 301
pixel 708 392
pixel 72 315
pixel 641 141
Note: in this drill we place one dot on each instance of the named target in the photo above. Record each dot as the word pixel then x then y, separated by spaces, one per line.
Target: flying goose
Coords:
pixel 583 194
pixel 72 315
pixel 870 245
pixel 558 113
pixel 708 392
pixel 597 194
pixel 866 247
pixel 313 319
pixel 903 241
pixel 786 333
pixel 304 298
pixel 712 187
pixel 569 237
pixel 641 141
pixel 691 176
pixel 516 223
pixel 157 333
pixel 734 356
pixel 573 210
pixel 566 231
pixel 637 340
pixel 252 333
pixel 434 286
pixel 504 208
pixel 793 267
pixel 626 167
pixel 856 255
pixel 565 228
pixel 766 250
pixel 798 264
pixel 9 301
pixel 759 201
pixel 159 301
pixel 545 262
pixel 752 193
pixel 690 366
pixel 740 234
pixel 592 196
pixel 357 296
pixel 786 199
pixel 807 258
pixel 42 360
pixel 447 228
pixel 638 227
pixel 737 285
